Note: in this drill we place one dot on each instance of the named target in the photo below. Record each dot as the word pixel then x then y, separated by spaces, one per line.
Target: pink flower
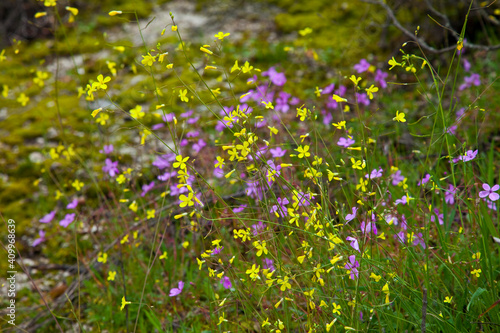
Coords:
pixel 49 217
pixel 490 192
pixel 350 217
pixel 343 142
pixel 37 241
pixel 176 291
pixel 354 243
pixel 226 282
pixel 67 220
pixel 362 66
pixel 73 204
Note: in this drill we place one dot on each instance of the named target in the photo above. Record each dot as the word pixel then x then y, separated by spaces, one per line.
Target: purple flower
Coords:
pixel 380 77
pixel 240 209
pixel 269 264
pixel 193 120
pixel 166 176
pixel 219 173
pixel 452 130
pixel 192 134
pixel 363 99
pixel 168 117
pixel 327 117
pixel 375 173
pixel 424 180
pixel 439 216
pixel 400 236
pixel 470 155
pixel 254 190
pixel 391 219
pixel 403 200
pixel 146 188
pixel 187 114
pixel 449 195
pixel 257 228
pixel 276 78
pixel 343 142
pixel 282 209
pixel 366 228
pixel 157 126
pixel 217 250
pixel 176 291
pixel 362 66
pixel 107 149
pixel 40 239
pixel 354 243
pixel 328 89
pixel 490 192
pixel 282 102
pixel 110 167
pixel 352 266
pixel 164 161
pixel 277 152
pixel 466 65
pixel 67 220
pixel 73 204
pixel 418 239
pixel 199 146
pixel 350 217
pixel 397 178
pixel 469 81
pixel 49 217
pixel 226 282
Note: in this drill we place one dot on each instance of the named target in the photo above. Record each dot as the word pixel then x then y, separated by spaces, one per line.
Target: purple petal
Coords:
pixel 494 196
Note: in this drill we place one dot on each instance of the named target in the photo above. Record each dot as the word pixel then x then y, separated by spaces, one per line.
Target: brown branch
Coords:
pixel 422 42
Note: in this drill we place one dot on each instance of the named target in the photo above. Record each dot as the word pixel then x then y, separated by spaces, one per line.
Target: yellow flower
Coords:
pixel 124 239
pixel 269 105
pixel 220 162
pixel 133 206
pixel 305 31
pixel 181 163
pixel 77 184
pixel 40 14
pixel 164 255
pixel 336 308
pixel 182 95
pixel 303 151
pixel 221 319
pixel 375 277
pixel 339 125
pixel 477 272
pixel 150 214
pixel 221 35
pixel 207 51
pixel 124 302
pixel 338 99
pixel 284 283
pixel 96 111
pixel 253 272
pixel 235 67
pixel 102 257
pixel 174 28
pixel 371 90
pixel 23 99
pixel 355 79
pixel 448 299
pixel 103 117
pixel 400 117
pixel 111 275
pixel 101 82
pixel 115 12
pixel 393 63
pixel 73 10
pixel 186 201
pixel 246 67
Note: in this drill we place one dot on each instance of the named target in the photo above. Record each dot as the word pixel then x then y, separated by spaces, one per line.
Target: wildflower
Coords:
pixel 23 99
pixel 336 308
pixel 246 67
pixel 380 78
pixel 110 167
pixel 261 247
pixel 73 204
pixel 67 220
pixel 355 79
pixel 366 228
pixel 448 299
pixel 101 82
pixel 182 95
pixel 305 31
pixel 124 302
pixel 303 151
pixel 358 164
pixel 375 277
pixel 253 272
pixel 371 90
pixel 477 272
pixel 186 201
pixel 350 217
pixel 115 12
pixel 48 218
pixel 354 243
pixel 278 79
pixel 111 275
pixel 343 142
pixel 284 283
pixel 181 162
pixel 490 192
pixel 449 195
pixel 164 255
pixel 393 63
pixel 469 81
pixel 137 112
pixel 352 266
pixel 40 239
pixel 226 282
pixel 40 14
pixel 385 290
pixel 221 35
pixel 178 290
pixel 374 174
pixel 400 117
pixel 362 66
pixel 338 99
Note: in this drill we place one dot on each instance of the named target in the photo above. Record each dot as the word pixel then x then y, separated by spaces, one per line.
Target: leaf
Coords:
pixel 475 296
